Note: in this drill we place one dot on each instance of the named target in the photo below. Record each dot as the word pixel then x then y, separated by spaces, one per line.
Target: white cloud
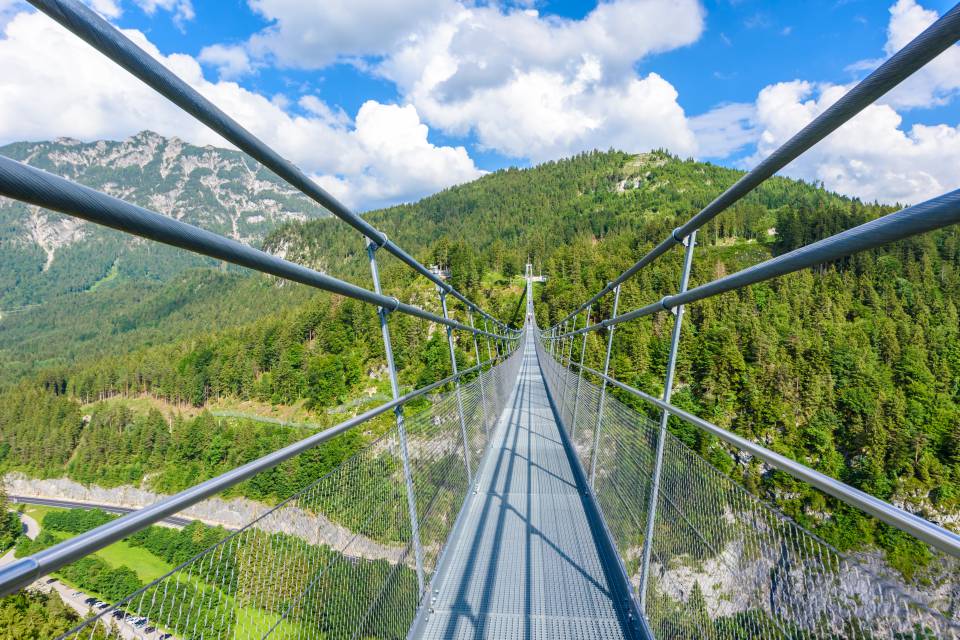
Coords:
pixel 938 81
pixel 311 35
pixel 872 156
pixel 399 159
pixel 182 10
pixel 56 85
pixel 527 85
pixel 8 9
pixel 231 62
pixel 724 130
pixel 107 8
pixel 538 87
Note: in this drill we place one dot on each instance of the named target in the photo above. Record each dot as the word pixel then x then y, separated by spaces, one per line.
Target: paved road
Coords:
pixel 30 529
pixel 110 508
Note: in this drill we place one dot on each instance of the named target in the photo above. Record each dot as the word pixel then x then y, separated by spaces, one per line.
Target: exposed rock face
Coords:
pixel 808 586
pixel 217 189
pixel 232 514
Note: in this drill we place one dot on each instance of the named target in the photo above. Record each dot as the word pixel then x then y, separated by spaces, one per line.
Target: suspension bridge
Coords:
pixel 524 496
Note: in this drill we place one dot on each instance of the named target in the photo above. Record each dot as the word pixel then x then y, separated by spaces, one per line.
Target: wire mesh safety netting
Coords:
pixel 724 563
pixel 335 560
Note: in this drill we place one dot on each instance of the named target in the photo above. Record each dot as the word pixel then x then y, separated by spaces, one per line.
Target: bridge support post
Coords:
pixel 456 384
pixel 690 242
pixel 401 429
pixel 569 367
pixel 487 338
pixel 576 393
pixel 603 390
pixel 483 391
pixel 563 354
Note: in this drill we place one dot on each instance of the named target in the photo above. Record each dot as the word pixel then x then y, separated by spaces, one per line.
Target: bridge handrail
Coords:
pixel 927 216
pixel 35 186
pixel 103 36
pixel 916 526
pixel 925 47
pixel 22 572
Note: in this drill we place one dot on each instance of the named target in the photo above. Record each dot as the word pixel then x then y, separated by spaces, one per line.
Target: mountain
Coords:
pixel 46 254
pixel 852 368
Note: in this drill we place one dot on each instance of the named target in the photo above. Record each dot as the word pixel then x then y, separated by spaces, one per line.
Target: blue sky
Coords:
pixel 386 102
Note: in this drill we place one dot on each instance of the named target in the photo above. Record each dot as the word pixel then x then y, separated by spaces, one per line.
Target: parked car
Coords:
pixel 149 629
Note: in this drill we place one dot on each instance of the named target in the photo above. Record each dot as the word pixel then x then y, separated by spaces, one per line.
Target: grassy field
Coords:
pixel 37 511
pixel 250 621
pixel 141 404
pixel 147 566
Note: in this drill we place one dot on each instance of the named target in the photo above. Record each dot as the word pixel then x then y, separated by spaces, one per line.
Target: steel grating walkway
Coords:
pixel 527 560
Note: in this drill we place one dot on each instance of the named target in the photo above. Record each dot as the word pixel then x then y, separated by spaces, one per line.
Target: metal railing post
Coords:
pixel 562 347
pixel 576 393
pixel 553 340
pixel 690 242
pixel 603 390
pixel 401 429
pixel 486 330
pixel 453 363
pixel 483 392
pixel 567 367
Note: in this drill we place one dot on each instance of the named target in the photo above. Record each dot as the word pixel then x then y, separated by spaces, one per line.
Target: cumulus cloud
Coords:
pixel 398 158
pixel 8 9
pixel 231 62
pixel 56 85
pixel 538 87
pixel 108 8
pixel 938 81
pixel 527 85
pixel 182 10
pixel 311 35
pixel 873 156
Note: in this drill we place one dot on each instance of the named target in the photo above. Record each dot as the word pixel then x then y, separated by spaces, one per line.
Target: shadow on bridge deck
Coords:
pixel 527 559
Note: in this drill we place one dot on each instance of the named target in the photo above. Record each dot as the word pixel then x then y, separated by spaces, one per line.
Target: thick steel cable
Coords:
pixel 925 47
pixel 35 186
pixel 101 35
pixel 927 216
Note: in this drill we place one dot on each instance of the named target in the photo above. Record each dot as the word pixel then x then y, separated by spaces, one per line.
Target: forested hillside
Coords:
pixel 852 368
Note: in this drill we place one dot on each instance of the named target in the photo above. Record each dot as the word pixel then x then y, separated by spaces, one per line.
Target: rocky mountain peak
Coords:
pixel 221 190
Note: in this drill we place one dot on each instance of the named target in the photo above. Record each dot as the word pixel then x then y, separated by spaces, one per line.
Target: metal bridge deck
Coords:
pixel 527 558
